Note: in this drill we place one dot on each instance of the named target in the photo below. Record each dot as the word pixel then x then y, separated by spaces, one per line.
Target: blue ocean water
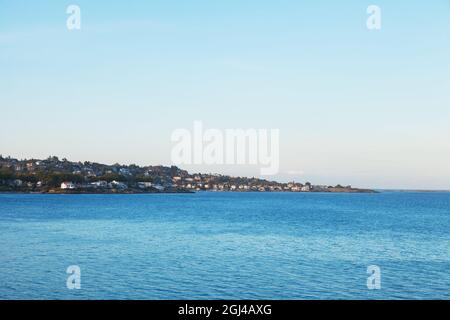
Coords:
pixel 225 245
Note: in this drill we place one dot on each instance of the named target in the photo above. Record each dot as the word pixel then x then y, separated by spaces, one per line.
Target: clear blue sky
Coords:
pixel 360 107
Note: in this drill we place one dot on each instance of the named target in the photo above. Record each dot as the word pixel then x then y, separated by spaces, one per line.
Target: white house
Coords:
pixel 125 171
pixel 67 185
pixel 306 188
pixel 99 184
pixel 158 187
pixel 144 185
pixel 118 185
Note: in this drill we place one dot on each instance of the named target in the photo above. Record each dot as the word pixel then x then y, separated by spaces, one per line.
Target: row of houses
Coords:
pixel 148 177
pixel 199 185
pixel 68 185
pixel 18 183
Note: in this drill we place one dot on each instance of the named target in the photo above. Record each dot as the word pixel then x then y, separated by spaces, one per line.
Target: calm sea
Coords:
pixel 225 245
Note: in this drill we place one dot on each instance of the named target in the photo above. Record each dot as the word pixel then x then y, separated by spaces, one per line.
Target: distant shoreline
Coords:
pixel 55 176
pixel 69 192
pixel 357 191
pixel 410 190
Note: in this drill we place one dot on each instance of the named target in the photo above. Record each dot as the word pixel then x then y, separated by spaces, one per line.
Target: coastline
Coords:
pixel 55 176
pixel 177 192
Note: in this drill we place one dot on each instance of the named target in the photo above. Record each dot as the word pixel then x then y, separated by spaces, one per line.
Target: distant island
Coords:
pixel 53 175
